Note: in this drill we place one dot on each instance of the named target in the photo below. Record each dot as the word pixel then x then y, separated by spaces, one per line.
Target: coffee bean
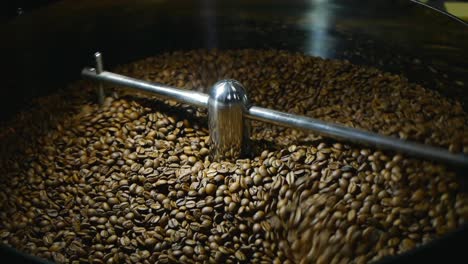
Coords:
pixel 111 239
pixel 258 216
pixel 210 189
pixel 233 187
pixel 188 250
pixel 132 179
pixel 257 179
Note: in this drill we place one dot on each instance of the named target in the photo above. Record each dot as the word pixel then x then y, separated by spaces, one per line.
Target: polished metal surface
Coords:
pixel 188 97
pixel 99 70
pixel 229 130
pixel 225 107
pixel 357 136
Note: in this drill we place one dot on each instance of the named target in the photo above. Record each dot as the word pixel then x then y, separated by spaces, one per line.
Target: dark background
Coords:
pixel 11 8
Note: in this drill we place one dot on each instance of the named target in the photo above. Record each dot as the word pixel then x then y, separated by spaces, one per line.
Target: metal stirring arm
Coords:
pixel 228 104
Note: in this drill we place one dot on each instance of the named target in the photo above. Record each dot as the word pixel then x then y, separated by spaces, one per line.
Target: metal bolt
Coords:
pixel 99 70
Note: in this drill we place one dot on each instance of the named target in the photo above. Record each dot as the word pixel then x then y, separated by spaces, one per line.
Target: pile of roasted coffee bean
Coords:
pixel 132 181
